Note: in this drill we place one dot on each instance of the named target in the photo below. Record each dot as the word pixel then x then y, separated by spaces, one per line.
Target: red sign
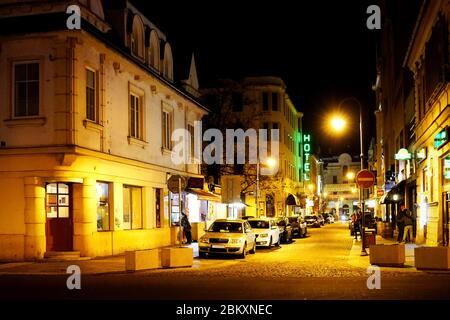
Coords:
pixel 365 179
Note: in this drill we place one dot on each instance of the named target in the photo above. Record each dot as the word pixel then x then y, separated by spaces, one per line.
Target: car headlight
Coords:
pixel 264 235
pixel 235 241
pixel 204 240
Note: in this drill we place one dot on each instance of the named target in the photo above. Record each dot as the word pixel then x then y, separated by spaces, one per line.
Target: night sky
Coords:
pixel 322 49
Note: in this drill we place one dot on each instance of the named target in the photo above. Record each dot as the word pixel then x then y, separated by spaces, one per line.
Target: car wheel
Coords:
pixel 270 243
pixel 253 251
pixel 244 251
pixel 202 254
pixel 278 243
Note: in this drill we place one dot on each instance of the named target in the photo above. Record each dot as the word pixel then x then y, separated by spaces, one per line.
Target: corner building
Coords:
pixel 86 121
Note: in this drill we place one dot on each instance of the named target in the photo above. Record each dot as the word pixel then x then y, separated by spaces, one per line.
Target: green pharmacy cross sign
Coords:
pixel 441 138
pixel 403 154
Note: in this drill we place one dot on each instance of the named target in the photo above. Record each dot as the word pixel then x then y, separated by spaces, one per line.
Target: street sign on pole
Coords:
pixel 175 183
pixel 365 179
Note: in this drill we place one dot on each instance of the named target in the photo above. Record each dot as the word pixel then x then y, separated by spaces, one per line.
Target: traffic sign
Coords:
pixel 174 183
pixel 365 179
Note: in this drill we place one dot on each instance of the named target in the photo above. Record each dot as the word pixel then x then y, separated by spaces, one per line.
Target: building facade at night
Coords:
pixel 340 190
pixel 86 122
pixel 413 117
pixel 263 103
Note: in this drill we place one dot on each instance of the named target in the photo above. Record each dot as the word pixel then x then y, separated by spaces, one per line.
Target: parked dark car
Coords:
pixel 329 218
pixel 313 221
pixel 298 225
pixel 321 219
pixel 285 227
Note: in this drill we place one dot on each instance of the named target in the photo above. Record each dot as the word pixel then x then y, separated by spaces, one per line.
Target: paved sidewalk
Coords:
pixel 101 265
pixel 355 259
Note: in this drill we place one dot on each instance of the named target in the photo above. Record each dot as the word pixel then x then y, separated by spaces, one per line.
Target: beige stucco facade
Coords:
pixel 60 144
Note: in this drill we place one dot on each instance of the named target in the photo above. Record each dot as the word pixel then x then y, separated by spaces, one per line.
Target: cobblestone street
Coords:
pixel 320 266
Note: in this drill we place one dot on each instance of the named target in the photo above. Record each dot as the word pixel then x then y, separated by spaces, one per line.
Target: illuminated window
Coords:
pixel 166 129
pixel 57 200
pixel 135 117
pixel 91 96
pixel 137 38
pixel 26 89
pixel 103 206
pixel 158 207
pixel 446 169
pixel 132 208
pixel 191 140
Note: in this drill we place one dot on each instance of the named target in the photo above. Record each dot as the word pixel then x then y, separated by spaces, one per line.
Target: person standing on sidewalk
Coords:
pixel 400 223
pixel 186 228
pixel 408 229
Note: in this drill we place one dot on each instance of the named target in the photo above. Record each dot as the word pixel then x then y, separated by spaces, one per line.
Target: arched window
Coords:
pixel 168 62
pixel 153 51
pixel 137 37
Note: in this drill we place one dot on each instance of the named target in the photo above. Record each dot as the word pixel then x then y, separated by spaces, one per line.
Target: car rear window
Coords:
pixel 226 227
pixel 259 224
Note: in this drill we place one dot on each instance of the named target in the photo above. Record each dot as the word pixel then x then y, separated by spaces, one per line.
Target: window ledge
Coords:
pixel 137 142
pixel 89 124
pixel 165 151
pixel 25 122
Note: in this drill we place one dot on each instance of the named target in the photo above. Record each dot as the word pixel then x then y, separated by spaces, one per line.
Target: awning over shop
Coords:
pixel 205 195
pixel 395 195
pixel 291 200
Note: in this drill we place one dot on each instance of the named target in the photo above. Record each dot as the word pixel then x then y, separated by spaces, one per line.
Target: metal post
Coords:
pixel 181 210
pixel 257 189
pixel 361 193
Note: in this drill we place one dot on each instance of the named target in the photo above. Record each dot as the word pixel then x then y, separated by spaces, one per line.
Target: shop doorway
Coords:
pixel 445 217
pixel 59 226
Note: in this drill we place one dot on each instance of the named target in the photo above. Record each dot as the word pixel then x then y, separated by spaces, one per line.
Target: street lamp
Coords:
pixel 271 163
pixel 338 123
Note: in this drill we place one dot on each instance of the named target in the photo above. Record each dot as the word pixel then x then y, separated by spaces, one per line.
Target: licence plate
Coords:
pixel 216 246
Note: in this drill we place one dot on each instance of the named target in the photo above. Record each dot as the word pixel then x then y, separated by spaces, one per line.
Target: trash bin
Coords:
pixel 369 237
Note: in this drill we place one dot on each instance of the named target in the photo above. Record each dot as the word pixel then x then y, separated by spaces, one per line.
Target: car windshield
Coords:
pixel 226 227
pixel 259 224
pixel 292 219
pixel 311 217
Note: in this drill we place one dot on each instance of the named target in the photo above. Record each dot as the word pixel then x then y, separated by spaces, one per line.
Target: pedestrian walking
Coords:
pixel 356 221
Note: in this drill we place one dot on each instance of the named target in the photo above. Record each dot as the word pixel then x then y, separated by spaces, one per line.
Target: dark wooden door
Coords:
pixel 59 226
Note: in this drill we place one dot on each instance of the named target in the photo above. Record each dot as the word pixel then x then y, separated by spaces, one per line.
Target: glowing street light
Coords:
pixel 350 175
pixel 338 123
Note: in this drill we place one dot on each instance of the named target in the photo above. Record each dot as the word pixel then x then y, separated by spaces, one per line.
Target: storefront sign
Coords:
pixel 403 154
pixel 441 138
pixel 421 154
pixel 307 153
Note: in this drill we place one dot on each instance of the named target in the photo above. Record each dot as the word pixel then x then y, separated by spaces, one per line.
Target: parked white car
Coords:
pixel 266 230
pixel 226 236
